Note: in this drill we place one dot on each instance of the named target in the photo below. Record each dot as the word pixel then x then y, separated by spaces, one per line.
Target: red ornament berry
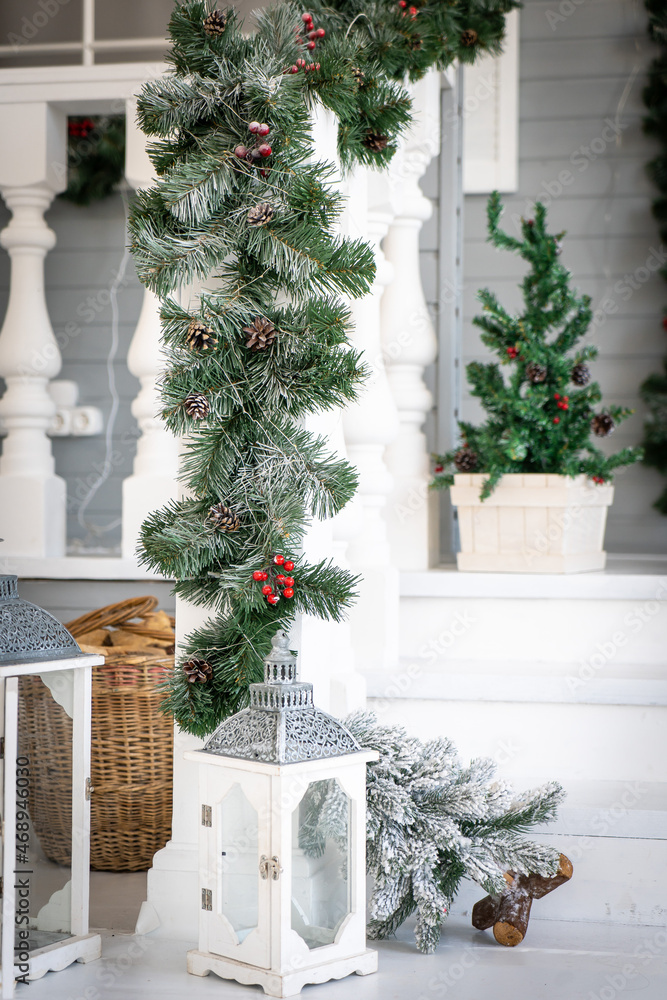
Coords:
pixel 264 173
pixel 566 399
pixel 258 575
pixel 556 420
pixel 317 65
pixel 556 395
pixel 403 4
pixel 313 34
pixel 294 69
pixel 263 129
pixel 512 352
pixel 321 32
pixel 241 152
pixel 599 480
pixel 289 581
pixel 264 149
pixel 288 592
pixel 254 127
pixel 306 17
pixel 265 575
pixel 439 468
pixel 273 598
pixel 281 578
pixel 413 11
pixel 279 560
pixel 289 566
pixel 267 589
pixel 310 46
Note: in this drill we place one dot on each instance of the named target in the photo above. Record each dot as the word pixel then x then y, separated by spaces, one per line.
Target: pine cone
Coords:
pixel 535 373
pixel 215 23
pixel 415 43
pixel 199 336
pixel 581 374
pixel 358 75
pixel 375 141
pixel 468 38
pixel 260 214
pixel 466 460
pixel 197 671
pixel 196 405
pixel 602 424
pixel 223 518
pixel 261 333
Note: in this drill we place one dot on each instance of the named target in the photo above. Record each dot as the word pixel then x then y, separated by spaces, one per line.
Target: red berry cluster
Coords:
pixel 82 129
pixel 412 11
pixel 279 579
pixel 314 34
pixel 599 480
pixel 563 403
pixel 439 468
pixel 512 352
pixel 258 152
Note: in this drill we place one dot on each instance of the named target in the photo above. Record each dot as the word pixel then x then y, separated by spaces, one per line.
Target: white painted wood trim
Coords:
pixel 491 118
pixel 81 725
pixel 41 667
pixel 77 568
pixel 8 831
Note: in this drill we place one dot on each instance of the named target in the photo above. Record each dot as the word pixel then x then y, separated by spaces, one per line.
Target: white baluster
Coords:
pixel 370 425
pixel 32 171
pixel 153 480
pixel 409 340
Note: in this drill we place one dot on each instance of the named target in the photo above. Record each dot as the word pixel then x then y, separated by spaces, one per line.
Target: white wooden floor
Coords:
pixel 557 961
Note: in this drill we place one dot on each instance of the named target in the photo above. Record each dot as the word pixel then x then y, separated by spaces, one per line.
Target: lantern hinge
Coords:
pixel 270 866
pixel 2 747
pixel 90 788
pixel 207 899
pixel 206 816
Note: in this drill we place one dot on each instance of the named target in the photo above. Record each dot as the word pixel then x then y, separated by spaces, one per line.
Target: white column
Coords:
pixel 327 655
pixel 370 425
pixel 409 341
pixel 153 480
pixel 32 171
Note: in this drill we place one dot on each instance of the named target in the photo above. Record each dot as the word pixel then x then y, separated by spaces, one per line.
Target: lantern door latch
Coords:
pixel 90 788
pixel 270 866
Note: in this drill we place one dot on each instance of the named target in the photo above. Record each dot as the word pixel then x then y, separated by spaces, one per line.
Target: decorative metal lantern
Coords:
pixel 46 683
pixel 282 841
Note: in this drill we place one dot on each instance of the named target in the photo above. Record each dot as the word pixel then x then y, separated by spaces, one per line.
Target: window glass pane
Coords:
pixel 44 807
pixel 321 862
pixel 239 868
pixel 129 19
pixel 27 21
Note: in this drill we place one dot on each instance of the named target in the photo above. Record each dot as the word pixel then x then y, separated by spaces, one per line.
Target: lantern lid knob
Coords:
pixel 280 666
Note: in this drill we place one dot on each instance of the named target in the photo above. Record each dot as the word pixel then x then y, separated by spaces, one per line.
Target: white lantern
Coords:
pixel 282 841
pixel 46 680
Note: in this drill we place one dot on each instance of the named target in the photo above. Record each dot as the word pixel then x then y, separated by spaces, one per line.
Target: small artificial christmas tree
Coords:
pixel 654 389
pixel 540 416
pixel 431 822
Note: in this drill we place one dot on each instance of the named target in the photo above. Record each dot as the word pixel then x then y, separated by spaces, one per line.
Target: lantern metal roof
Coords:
pixel 27 632
pixel 282 725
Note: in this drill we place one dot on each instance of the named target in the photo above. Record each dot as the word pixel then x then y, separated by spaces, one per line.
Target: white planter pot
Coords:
pixel 532 524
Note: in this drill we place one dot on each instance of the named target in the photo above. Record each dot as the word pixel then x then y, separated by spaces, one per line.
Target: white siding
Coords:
pixel 578 73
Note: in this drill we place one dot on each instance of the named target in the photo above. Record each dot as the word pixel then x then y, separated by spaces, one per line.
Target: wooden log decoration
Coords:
pixel 508 913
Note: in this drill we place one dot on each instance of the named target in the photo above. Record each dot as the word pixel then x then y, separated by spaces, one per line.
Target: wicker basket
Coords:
pixel 131 752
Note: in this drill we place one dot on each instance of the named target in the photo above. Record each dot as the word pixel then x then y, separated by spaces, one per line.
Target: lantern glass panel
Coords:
pixel 321 862
pixel 239 870
pixel 44 832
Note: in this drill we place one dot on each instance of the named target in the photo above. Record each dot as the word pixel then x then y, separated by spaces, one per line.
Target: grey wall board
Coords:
pixel 582 151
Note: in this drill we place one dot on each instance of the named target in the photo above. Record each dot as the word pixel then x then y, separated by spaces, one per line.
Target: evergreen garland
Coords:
pixel 431 822
pixel 654 389
pixel 267 344
pixel 95 157
pixel 541 416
